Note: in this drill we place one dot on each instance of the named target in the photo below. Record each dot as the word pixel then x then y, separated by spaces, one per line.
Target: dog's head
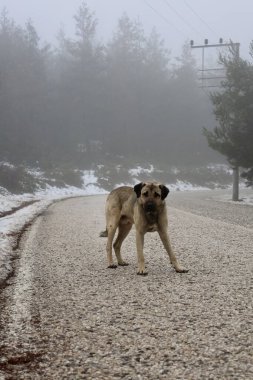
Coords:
pixel 151 195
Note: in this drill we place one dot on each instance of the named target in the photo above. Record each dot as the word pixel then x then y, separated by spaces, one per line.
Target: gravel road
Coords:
pixel 64 315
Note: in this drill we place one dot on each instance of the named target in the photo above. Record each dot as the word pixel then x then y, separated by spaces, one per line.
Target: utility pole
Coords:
pixel 204 84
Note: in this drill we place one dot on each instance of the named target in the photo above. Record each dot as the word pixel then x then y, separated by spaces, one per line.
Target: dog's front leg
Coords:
pixel 166 242
pixel 140 255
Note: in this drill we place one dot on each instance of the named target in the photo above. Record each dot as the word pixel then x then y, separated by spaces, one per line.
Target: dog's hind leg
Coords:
pixel 111 233
pixel 103 233
pixel 111 227
pixel 124 230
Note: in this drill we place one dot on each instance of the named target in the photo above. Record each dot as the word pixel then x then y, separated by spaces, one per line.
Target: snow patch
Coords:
pixel 220 168
pixel 11 225
pixel 185 186
pixel 35 172
pixel 139 170
pixel 14 223
pixel 90 186
pixel 7 164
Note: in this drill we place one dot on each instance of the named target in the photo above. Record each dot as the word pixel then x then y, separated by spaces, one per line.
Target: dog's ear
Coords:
pixel 165 191
pixel 137 189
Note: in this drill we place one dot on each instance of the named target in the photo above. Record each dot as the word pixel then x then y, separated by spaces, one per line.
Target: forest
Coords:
pixel 83 102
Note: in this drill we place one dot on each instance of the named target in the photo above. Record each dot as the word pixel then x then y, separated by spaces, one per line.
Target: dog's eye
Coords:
pixel 145 194
pixel 157 195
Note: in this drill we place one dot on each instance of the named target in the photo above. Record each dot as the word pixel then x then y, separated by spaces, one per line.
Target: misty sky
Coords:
pixel 175 20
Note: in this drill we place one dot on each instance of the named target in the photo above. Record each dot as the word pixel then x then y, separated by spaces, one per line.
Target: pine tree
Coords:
pixel 233 109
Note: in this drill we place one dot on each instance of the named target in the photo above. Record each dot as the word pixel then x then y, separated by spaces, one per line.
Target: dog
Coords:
pixel 144 206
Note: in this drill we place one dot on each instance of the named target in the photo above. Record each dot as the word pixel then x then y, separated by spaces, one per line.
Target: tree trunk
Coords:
pixel 235 196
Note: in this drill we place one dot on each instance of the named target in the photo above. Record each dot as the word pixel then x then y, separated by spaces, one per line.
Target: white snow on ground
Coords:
pixel 185 186
pixel 178 186
pixel 8 164
pixel 90 183
pixel 12 224
pixel 220 167
pixel 139 170
pixel 35 172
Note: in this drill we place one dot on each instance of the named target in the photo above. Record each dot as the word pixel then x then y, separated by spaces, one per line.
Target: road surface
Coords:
pixel 64 315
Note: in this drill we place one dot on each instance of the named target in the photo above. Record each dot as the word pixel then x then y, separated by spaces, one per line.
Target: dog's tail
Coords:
pixel 104 233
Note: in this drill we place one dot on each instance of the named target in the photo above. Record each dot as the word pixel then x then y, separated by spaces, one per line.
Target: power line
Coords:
pixel 205 78
pixel 181 17
pixel 200 18
pixel 164 18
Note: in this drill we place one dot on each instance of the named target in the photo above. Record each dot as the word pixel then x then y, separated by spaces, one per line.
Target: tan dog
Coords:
pixel 144 205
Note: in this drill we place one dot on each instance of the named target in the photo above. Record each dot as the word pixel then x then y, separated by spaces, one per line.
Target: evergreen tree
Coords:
pixel 22 92
pixel 84 102
pixel 79 72
pixel 233 109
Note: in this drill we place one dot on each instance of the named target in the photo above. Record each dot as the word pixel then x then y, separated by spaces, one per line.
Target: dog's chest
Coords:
pixel 152 227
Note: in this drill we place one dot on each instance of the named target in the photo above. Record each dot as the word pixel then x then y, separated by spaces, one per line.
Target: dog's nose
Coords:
pixel 150 206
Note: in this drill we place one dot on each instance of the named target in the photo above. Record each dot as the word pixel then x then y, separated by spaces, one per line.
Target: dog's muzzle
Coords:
pixel 150 207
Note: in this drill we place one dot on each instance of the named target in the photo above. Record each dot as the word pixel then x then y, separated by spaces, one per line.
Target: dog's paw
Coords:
pixel 123 263
pixel 181 270
pixel 113 266
pixel 142 273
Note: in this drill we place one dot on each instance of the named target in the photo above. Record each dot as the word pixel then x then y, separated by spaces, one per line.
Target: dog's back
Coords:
pixel 119 196
pixel 118 203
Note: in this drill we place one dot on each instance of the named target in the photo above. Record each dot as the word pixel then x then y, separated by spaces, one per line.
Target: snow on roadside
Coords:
pixel 12 224
pixel 139 170
pixel 90 183
pixel 185 186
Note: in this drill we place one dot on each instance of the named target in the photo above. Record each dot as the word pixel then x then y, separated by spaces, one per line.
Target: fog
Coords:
pixel 174 20
pixel 110 83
